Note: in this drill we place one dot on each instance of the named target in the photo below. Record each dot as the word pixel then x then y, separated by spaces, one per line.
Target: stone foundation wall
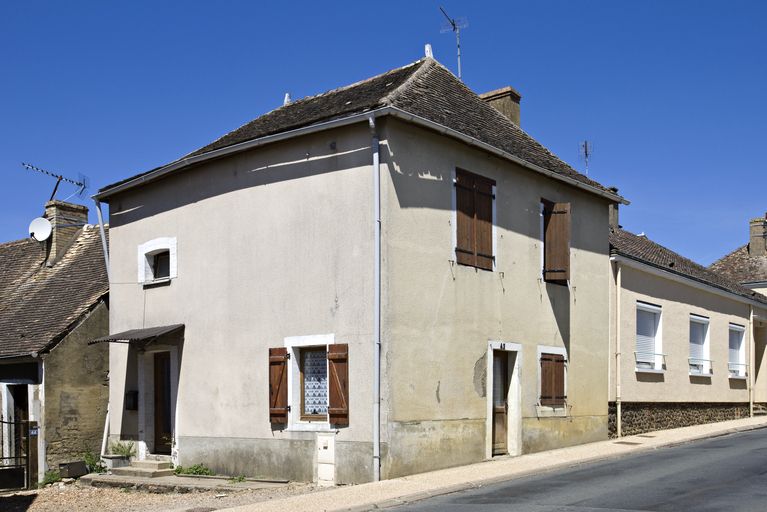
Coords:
pixel 640 417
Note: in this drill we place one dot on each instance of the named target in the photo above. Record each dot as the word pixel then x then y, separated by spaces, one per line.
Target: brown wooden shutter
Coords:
pixel 556 226
pixel 338 392
pixel 464 213
pixel 278 385
pixel 553 380
pixel 483 201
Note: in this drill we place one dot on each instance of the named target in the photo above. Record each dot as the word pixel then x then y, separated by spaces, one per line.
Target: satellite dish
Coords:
pixel 40 229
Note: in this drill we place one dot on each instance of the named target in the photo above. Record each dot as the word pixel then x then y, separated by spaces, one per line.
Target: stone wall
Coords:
pixel 640 417
pixel 76 391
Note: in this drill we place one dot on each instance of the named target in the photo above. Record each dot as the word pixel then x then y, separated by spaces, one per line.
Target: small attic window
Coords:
pixel 157 260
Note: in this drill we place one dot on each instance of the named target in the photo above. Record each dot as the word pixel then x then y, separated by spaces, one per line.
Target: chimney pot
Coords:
pixel 66 221
pixel 757 243
pixel 506 101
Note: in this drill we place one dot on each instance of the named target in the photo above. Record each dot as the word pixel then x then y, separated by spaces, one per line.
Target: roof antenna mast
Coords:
pixel 455 25
pixel 587 151
pixel 81 182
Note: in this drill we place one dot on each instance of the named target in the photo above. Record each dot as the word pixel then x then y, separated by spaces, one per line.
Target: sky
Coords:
pixel 671 94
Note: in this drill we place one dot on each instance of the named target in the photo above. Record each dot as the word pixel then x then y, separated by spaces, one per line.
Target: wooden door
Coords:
pixel 162 403
pixel 500 401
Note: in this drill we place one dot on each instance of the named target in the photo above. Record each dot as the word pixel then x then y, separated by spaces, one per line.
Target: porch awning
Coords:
pixel 139 337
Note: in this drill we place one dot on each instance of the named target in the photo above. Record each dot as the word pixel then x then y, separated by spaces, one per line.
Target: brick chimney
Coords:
pixel 506 101
pixel 757 243
pixel 67 220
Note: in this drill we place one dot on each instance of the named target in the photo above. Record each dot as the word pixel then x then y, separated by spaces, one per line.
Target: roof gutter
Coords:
pixel 690 281
pixel 336 123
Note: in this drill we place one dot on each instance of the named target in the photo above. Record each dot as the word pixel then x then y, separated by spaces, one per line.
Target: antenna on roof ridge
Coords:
pixel 82 182
pixel 286 100
pixel 428 51
pixel 587 151
pixel 455 25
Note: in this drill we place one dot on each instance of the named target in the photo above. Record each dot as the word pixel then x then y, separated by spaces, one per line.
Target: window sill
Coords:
pixel 548 411
pixel 701 375
pixel 310 426
pixel 649 370
pixel 157 282
pixel 738 377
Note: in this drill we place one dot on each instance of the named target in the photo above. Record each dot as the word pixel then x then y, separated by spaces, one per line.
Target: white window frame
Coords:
pixel 145 259
pixel 704 366
pixel 454 218
pixel 739 370
pixel 550 410
pixel 294 344
pixel 660 358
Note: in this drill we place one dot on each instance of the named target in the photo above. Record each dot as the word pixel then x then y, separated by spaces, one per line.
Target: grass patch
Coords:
pixel 237 479
pixel 123 448
pixel 94 462
pixel 197 469
pixel 51 477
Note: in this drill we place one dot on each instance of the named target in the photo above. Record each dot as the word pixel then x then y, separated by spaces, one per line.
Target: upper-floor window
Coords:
pixel 474 197
pixel 736 362
pixel 648 337
pixel 699 361
pixel 556 241
pixel 157 260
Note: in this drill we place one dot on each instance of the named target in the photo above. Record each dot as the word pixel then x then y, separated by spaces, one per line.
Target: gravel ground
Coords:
pixel 75 497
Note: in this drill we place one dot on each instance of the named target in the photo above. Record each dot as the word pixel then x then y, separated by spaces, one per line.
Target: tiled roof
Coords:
pixel 642 249
pixel 40 304
pixel 741 267
pixel 425 89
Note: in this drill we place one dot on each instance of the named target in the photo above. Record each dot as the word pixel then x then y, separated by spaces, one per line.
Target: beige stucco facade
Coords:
pixel 275 248
pixel 679 298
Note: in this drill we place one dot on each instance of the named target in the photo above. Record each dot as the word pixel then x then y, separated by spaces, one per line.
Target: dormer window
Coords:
pixel 157 261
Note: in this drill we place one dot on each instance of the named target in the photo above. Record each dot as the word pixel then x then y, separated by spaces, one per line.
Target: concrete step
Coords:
pixel 142 472
pixel 151 464
pixel 154 456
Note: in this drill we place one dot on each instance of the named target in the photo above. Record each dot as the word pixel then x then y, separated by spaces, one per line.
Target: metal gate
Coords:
pixel 18 464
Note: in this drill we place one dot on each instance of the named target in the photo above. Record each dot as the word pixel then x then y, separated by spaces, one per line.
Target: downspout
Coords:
pixel 374 144
pixel 618 284
pixel 751 361
pixel 109 281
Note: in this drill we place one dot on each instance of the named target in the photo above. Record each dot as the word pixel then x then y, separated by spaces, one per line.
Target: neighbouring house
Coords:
pixel 687 345
pixel 53 301
pixel 384 279
pixel 747 264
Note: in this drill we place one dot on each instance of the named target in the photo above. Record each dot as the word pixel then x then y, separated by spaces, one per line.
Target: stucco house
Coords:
pixel 54 299
pixel 687 345
pixel 387 278
pixel 747 264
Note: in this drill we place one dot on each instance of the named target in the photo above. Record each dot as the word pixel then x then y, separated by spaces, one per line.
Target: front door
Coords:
pixel 500 401
pixel 162 399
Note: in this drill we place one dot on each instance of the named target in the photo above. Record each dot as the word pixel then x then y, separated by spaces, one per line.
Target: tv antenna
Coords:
pixel 455 25
pixel 81 182
pixel 587 151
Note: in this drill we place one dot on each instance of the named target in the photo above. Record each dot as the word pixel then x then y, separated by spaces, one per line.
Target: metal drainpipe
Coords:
pixel 751 360
pixel 618 422
pixel 109 280
pixel 376 301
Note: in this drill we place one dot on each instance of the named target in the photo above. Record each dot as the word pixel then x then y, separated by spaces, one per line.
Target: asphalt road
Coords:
pixel 725 474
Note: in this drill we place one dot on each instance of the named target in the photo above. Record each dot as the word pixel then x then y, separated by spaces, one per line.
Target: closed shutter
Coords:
pixel 483 202
pixel 278 385
pixel 556 227
pixel 697 340
pixel 736 338
pixel 553 380
pixel 338 402
pixel 464 206
pixel 647 327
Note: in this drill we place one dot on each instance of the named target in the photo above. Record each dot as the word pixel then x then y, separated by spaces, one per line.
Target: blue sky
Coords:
pixel 672 94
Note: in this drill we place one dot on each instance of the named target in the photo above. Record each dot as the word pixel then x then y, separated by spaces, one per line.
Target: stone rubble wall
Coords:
pixel 641 417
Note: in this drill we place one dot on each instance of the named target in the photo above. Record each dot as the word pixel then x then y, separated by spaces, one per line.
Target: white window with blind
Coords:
pixel 736 361
pixel 648 353
pixel 700 362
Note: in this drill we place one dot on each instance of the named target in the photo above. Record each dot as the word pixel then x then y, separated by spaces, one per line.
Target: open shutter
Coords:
pixel 278 385
pixel 553 380
pixel 556 225
pixel 464 213
pixel 483 204
pixel 338 399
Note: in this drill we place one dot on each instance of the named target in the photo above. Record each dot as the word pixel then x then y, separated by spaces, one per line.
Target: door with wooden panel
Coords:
pixel 500 402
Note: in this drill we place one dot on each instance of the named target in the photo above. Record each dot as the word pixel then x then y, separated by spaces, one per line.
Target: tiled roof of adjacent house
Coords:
pixel 640 248
pixel 40 304
pixel 742 267
pixel 426 89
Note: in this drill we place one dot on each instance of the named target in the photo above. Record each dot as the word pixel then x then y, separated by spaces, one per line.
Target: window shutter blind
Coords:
pixel 556 226
pixel 338 403
pixel 278 385
pixel 552 380
pixel 697 340
pixel 647 326
pixel 735 341
pixel 484 222
pixel 464 206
